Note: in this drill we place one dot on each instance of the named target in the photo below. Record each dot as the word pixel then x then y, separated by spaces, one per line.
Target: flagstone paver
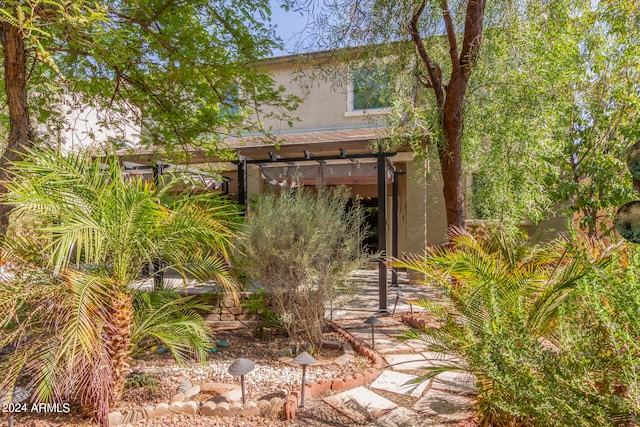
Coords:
pixel 455 382
pixel 443 401
pixel 406 362
pixel 401 417
pixel 360 404
pixel 400 383
pixel 444 407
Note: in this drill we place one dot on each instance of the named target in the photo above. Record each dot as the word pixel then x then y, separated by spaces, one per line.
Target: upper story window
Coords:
pixel 370 91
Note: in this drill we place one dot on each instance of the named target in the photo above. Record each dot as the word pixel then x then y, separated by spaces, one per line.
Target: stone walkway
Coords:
pixel 444 400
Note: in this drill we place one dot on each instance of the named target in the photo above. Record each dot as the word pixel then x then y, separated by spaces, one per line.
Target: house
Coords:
pixel 332 142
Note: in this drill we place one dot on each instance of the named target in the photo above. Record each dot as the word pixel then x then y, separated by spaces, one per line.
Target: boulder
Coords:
pixel 191 392
pixel 180 397
pixel 234 395
pixel 217 388
pixel 188 408
pixel 184 386
pixel 162 409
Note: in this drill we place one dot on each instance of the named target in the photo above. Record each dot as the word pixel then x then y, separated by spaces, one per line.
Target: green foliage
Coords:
pixel 552 108
pixel 173 320
pixel 551 335
pixel 258 303
pixel 141 380
pixel 71 315
pixel 301 245
pixel 169 67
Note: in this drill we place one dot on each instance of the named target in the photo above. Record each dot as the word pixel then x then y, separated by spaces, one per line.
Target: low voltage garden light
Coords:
pixel 304 359
pixel 241 367
pixel 373 321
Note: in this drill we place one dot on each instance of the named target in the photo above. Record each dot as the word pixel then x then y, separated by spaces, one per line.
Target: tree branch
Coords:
pixel 435 74
pixel 451 35
pixel 472 35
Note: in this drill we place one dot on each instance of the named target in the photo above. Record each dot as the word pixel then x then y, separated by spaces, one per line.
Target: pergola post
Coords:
pixel 382 230
pixel 243 178
pixel 394 229
pixel 157 169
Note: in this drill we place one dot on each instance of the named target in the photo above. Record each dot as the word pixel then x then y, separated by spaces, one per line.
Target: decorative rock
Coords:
pixel 191 392
pixel 264 406
pixel 250 409
pixel 162 409
pixel 236 310
pixel 227 317
pixel 188 408
pixel 184 385
pixel 115 418
pixel 148 412
pixel 276 407
pixel 344 359
pixel 218 399
pixel 217 388
pixel 331 344
pixel 347 348
pixel 221 410
pixel 234 395
pixel 178 398
pixel 208 409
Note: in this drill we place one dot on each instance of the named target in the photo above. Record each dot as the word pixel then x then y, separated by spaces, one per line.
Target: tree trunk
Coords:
pixel 15 80
pixel 450 152
pixel 119 346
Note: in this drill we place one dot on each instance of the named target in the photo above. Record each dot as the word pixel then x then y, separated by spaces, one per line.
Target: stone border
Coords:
pixel 413 321
pixel 337 384
pixel 183 402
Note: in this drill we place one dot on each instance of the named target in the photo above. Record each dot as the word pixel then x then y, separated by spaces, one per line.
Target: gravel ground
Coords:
pixel 270 377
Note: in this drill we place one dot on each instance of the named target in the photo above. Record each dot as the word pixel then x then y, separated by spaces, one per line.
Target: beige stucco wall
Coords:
pixel 426 219
pixel 325 99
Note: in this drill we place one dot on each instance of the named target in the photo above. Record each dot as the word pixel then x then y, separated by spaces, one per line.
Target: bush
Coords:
pixel 301 245
pixel 552 336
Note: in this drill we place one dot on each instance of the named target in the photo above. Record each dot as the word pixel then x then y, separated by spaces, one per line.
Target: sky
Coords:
pixel 290 27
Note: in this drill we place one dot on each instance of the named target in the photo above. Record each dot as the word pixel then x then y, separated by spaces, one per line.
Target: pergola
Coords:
pixel 326 150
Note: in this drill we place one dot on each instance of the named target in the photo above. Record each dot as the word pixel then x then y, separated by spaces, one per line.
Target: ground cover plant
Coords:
pixel 301 245
pixel 69 318
pixel 552 335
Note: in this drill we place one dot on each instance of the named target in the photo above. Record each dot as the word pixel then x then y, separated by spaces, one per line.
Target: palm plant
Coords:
pixel 501 308
pixel 69 314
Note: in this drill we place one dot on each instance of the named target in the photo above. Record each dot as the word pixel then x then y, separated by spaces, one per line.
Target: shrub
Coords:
pixel 552 337
pixel 71 315
pixel 301 245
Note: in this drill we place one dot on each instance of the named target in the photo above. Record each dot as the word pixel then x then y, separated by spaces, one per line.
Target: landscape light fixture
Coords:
pixel 241 367
pixel 373 321
pixel 398 295
pixel 304 359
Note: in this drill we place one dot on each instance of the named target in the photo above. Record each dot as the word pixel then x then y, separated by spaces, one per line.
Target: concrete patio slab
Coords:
pixel 400 383
pixel 406 362
pixel 445 407
pixel 401 417
pixel 360 404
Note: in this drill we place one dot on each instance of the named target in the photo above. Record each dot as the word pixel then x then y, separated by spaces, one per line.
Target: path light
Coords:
pixel 241 367
pixel 373 321
pixel 398 296
pixel 304 359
